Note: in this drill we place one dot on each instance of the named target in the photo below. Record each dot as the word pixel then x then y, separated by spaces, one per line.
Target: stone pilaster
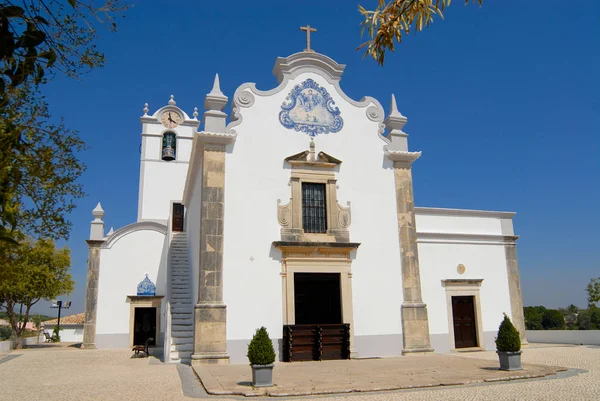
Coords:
pixel 415 321
pixel 91 294
pixel 210 346
pixel 514 285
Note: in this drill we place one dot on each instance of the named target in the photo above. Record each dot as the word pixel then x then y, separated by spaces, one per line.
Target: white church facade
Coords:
pixel 295 212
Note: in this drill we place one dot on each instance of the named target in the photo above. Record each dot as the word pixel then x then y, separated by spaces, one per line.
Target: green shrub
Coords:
pixel 553 320
pixel 5 333
pixel 508 339
pixel 260 349
pixel 55 335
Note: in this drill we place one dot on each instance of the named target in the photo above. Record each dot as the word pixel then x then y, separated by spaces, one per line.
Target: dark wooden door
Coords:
pixel 317 298
pixel 178 217
pixel 465 325
pixel 144 326
pixel 319 332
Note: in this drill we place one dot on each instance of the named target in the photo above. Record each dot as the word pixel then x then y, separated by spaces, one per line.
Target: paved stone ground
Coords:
pixel 329 377
pixel 67 373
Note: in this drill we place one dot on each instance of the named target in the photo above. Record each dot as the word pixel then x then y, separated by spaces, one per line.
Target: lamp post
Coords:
pixel 60 305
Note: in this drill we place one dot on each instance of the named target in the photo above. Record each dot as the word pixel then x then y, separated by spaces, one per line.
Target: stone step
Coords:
pixel 182 355
pixel 181 328
pixel 182 340
pixel 181 311
pixel 182 347
pixel 182 334
pixel 186 322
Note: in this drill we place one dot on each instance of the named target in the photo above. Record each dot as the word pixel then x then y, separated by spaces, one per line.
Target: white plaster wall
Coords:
pixel 458 224
pixel 439 262
pixel 122 267
pixel 257 176
pixel 162 181
pixel 590 337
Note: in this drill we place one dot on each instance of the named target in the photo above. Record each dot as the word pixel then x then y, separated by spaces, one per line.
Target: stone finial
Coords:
pixel 394 123
pixel 195 113
pixel 215 120
pixel 110 232
pixel 172 101
pixel 145 110
pixel 98 212
pixel 311 151
pixel 97 225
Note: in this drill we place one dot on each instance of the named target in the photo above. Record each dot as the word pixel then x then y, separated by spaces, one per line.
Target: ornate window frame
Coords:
pixel 308 167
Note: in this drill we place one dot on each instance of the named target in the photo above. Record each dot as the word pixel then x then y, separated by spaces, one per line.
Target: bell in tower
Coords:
pixel 169 146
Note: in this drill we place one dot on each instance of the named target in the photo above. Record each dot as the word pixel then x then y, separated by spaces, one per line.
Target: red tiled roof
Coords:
pixel 66 320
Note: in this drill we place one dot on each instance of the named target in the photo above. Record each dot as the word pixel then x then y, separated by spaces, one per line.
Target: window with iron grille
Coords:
pixel 314 208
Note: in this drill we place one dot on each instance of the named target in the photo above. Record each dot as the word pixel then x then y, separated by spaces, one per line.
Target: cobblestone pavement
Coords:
pixel 581 386
pixel 71 374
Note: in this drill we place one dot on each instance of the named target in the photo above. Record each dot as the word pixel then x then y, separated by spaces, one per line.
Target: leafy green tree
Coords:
pixel 572 309
pixel 39 38
pixel 392 19
pixel 593 290
pixel 553 320
pixel 533 317
pixel 31 271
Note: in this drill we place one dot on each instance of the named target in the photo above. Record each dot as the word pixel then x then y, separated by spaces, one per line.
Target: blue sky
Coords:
pixel 502 100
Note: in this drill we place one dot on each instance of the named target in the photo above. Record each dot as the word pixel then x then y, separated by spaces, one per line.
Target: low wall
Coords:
pixel 588 337
pixel 7 345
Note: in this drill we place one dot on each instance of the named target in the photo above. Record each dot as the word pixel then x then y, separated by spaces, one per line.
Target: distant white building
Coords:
pixel 71 328
pixel 295 213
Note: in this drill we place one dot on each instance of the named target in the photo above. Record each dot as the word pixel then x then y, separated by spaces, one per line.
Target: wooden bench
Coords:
pixel 48 337
pixel 142 348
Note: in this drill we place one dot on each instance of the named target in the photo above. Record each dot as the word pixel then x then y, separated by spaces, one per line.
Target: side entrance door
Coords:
pixel 465 329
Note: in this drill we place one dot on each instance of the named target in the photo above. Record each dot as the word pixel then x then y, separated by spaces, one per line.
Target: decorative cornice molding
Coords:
pixel 401 156
pixel 306 61
pixel 462 282
pixel 131 228
pixel 473 239
pixel 438 211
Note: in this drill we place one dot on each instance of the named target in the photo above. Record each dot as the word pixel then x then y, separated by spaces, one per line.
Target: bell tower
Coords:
pixel 164 158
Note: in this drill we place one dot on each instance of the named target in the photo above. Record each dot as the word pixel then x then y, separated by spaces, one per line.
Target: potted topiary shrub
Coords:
pixel 508 345
pixel 261 356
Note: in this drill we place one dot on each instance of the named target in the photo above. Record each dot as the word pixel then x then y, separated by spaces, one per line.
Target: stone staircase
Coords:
pixel 182 310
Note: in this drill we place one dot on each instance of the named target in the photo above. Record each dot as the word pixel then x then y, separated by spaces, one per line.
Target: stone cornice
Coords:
pixel 213 138
pixel 462 282
pixel 438 211
pixel 401 156
pixel 324 247
pixel 474 239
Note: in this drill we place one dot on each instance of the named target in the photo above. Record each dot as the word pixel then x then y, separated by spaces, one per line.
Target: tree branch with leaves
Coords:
pixel 393 20
pixel 39 38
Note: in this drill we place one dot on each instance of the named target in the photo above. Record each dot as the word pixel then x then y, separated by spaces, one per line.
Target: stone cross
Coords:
pixel 308 30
